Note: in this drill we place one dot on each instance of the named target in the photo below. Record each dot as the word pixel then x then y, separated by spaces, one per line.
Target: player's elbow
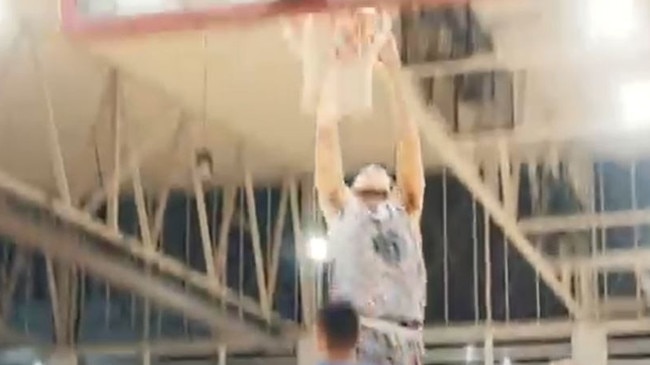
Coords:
pixel 413 196
pixel 413 203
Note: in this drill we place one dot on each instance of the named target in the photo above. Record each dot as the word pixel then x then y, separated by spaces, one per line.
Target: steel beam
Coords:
pixel 144 151
pixel 467 172
pixel 98 127
pixel 60 281
pixel 644 283
pixel 584 221
pixel 10 281
pixel 8 284
pixel 201 210
pixel 276 241
pixel 114 182
pixel 131 245
pixel 58 164
pixel 525 331
pixel 67 248
pixel 461 335
pixel 163 347
pixel 159 216
pixel 612 260
pixel 300 250
pixel 262 289
pixel 157 225
pixel 535 353
pixel 141 208
pixel 510 175
pixel 227 212
pixel 55 299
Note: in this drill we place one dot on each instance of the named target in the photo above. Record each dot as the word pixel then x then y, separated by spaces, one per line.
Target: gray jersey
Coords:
pixel 377 261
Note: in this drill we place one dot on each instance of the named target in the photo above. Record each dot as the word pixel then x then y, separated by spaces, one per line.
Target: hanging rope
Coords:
pixel 161 311
pixel 475 259
pixel 135 228
pixel 213 223
pixel 603 242
pixel 188 207
pixel 488 268
pixel 269 238
pixel 240 278
pixel 445 246
pixel 204 112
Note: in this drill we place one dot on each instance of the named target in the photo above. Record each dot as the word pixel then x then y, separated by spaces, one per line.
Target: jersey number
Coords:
pixel 388 245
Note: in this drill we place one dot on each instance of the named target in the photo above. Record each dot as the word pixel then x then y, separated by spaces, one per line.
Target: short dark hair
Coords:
pixel 339 323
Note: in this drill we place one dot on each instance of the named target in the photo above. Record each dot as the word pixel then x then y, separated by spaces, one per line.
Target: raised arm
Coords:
pixel 409 166
pixel 328 174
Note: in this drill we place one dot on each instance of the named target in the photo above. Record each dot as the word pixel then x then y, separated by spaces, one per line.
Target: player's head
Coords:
pixel 372 184
pixel 338 330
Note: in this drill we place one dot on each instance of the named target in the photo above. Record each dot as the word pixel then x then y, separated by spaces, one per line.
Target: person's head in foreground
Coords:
pixel 337 332
pixel 372 185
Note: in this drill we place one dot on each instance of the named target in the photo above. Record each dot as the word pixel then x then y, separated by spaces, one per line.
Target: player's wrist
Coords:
pixel 327 114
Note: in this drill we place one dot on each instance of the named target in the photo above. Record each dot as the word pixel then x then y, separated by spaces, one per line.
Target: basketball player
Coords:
pixel 375 235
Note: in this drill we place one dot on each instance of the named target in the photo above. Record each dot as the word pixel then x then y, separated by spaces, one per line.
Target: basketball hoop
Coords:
pixel 338 52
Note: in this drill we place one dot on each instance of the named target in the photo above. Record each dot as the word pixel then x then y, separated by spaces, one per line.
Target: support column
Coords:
pixel 488 348
pixel 308 275
pixel 307 352
pixel 589 344
pixel 222 355
pixel 62 356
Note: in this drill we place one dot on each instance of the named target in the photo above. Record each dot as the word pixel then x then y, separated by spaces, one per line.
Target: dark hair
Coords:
pixel 339 323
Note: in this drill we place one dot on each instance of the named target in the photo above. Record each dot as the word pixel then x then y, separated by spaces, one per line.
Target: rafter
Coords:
pixel 257 244
pixel 127 244
pixel 584 221
pixel 61 279
pixel 276 240
pixel 10 281
pixel 66 246
pixel 144 151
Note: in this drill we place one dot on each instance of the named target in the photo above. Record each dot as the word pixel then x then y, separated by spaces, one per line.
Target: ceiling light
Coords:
pixel 635 102
pixel 317 249
pixel 611 19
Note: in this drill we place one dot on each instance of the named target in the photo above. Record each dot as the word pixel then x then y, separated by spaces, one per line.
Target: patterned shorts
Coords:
pixel 382 348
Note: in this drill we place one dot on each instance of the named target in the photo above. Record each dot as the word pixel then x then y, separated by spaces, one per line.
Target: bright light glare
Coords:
pixel 317 249
pixel 506 361
pixel 635 102
pixel 611 19
pixel 37 362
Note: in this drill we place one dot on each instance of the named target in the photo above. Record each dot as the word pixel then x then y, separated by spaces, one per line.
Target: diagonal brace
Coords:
pixel 467 172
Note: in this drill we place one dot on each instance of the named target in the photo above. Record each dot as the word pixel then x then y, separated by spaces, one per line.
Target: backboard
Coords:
pixel 124 17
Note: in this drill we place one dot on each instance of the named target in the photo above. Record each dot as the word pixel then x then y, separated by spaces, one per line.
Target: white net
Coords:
pixel 338 52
